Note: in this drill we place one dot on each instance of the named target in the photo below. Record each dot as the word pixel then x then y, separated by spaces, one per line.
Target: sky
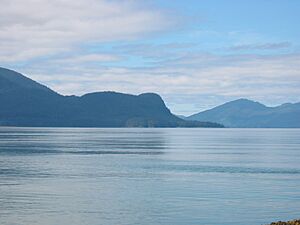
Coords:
pixel 196 54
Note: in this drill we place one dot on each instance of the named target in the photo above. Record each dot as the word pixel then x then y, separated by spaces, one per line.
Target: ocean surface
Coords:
pixel 51 176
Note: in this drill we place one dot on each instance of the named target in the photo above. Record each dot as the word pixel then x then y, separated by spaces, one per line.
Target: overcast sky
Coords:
pixel 195 53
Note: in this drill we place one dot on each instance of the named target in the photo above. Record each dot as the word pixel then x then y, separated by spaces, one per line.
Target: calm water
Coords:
pixel 148 176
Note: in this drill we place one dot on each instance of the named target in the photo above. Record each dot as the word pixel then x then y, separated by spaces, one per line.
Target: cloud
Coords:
pixel 84 46
pixel 201 80
pixel 264 46
pixel 85 58
pixel 35 28
pixel 155 51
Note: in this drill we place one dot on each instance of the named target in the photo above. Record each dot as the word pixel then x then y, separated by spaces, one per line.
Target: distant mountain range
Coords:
pixel 247 113
pixel 24 102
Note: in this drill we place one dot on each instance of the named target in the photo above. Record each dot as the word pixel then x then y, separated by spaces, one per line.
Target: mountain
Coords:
pixel 247 113
pixel 11 81
pixel 24 102
pixel 181 117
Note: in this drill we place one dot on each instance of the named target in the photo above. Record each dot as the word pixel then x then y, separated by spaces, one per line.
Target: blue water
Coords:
pixel 148 176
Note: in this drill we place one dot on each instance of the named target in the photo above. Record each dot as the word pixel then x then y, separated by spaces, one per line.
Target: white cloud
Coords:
pixel 196 81
pixel 251 76
pixel 264 46
pixel 54 34
pixel 33 28
pixel 88 58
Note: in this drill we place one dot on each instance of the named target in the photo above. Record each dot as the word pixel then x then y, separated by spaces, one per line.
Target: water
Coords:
pixel 148 176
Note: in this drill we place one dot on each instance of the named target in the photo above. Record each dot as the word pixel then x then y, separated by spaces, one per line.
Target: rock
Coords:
pixel 292 222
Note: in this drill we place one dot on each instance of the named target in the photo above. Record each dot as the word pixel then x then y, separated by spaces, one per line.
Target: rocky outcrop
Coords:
pixel 292 222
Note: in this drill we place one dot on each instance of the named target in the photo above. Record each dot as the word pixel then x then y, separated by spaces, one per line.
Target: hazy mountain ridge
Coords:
pixel 247 113
pixel 25 102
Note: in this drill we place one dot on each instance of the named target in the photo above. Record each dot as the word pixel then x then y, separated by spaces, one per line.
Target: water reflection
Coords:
pixel 81 141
